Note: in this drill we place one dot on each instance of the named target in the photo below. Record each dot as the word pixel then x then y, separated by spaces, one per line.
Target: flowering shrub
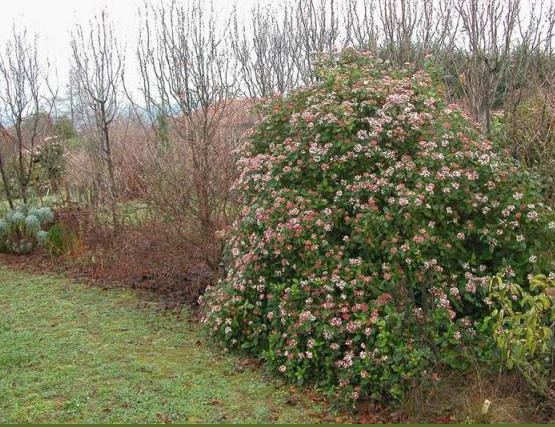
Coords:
pixel 22 229
pixel 375 216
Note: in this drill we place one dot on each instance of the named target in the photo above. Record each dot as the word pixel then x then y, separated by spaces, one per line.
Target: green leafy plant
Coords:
pixel 374 217
pixel 23 228
pixel 52 166
pixel 61 239
pixel 522 324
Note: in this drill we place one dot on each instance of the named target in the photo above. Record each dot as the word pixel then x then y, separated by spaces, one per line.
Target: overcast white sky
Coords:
pixel 54 19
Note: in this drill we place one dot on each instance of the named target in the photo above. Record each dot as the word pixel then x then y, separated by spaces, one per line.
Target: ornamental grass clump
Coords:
pixel 375 216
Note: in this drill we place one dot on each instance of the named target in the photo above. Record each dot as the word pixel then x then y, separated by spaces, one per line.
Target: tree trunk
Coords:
pixel 6 183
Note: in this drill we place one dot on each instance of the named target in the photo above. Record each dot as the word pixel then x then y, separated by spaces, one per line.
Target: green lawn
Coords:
pixel 75 353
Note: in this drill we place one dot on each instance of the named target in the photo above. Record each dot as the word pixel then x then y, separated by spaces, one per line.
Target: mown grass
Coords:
pixel 74 353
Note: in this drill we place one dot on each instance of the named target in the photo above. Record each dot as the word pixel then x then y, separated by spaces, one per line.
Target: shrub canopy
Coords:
pixel 375 215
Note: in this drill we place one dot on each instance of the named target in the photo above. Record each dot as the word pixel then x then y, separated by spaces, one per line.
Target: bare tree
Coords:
pixel 317 31
pixel 361 25
pixel 413 29
pixel 187 77
pixel 489 27
pixel 278 46
pixel 398 22
pixel 265 50
pixel 97 66
pixel 26 104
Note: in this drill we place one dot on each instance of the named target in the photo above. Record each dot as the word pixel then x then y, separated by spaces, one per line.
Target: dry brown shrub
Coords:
pixel 171 245
pixel 461 398
pixel 187 183
pixel 147 257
